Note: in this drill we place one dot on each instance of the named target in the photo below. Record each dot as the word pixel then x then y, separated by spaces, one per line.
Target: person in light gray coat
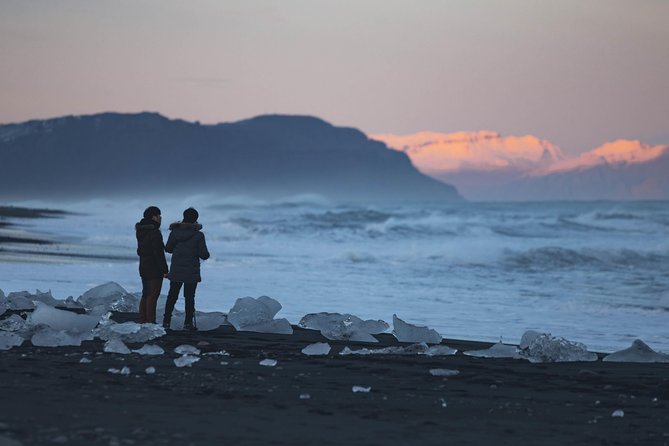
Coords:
pixel 187 245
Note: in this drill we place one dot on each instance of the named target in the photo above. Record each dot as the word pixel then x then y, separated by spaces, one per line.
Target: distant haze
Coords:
pixel 576 73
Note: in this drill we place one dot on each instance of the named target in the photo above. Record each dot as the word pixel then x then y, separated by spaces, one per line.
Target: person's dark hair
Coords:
pixel 190 215
pixel 151 211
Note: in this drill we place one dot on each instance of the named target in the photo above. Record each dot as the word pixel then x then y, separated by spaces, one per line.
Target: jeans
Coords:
pixel 147 305
pixel 189 295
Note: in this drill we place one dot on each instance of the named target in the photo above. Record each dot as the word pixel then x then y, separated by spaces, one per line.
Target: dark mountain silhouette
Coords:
pixel 114 154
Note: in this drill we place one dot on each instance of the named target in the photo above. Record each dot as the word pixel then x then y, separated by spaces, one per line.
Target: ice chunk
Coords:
pixel 547 348
pixel 444 372
pixel 361 389
pixel 637 352
pixel 19 301
pixel 305 396
pixel 186 349
pixel 150 349
pixel 405 332
pixel 61 319
pixel 317 349
pixel 210 321
pixel 116 346
pixel 13 323
pixel 618 414
pixel 150 370
pixel 48 337
pixel 498 350
pixel 268 362
pixel 413 349
pixel 186 360
pixel 343 327
pixel 129 331
pixel 528 337
pixel 218 353
pixel 9 340
pixel 85 360
pixel 249 314
pixel 109 297
pixel 123 371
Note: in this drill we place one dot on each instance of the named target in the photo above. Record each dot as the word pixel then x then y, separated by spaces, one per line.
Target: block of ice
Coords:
pixel 129 331
pixel 618 414
pixel 19 301
pixel 268 362
pixel 413 349
pixel 210 321
pixel 13 323
pixel 123 371
pixel 150 370
pixel 3 303
pixel 317 349
pixel 528 337
pixel 444 372
pixel 116 346
pixel 405 332
pixel 343 327
pixel 9 340
pixel 108 297
pixel 498 350
pixel 249 314
pixel 186 349
pixel 150 350
pixel 85 360
pixel 48 337
pixel 361 389
pixel 186 360
pixel 639 351
pixel 61 319
pixel 547 348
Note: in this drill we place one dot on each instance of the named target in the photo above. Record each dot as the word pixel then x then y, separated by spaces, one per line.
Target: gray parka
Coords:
pixel 187 245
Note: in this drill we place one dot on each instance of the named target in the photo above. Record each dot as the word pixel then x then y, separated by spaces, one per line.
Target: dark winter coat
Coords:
pixel 187 245
pixel 150 249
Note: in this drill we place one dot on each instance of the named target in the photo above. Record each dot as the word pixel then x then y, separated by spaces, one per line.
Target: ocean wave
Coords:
pixel 556 257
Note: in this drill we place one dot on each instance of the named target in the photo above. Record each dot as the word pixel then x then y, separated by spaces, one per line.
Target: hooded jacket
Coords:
pixel 187 245
pixel 150 249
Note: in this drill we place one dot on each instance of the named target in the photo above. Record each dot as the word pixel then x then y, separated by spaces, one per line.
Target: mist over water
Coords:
pixel 592 272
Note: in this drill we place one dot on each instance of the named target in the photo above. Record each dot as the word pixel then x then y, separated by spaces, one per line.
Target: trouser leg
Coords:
pixel 189 296
pixel 155 285
pixel 172 296
pixel 143 300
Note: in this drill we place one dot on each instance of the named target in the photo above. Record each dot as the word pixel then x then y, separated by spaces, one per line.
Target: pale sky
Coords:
pixel 576 72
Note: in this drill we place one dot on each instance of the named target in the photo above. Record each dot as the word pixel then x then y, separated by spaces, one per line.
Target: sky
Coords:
pixel 578 73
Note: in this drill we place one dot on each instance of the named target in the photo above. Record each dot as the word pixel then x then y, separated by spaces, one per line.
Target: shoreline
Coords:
pixel 233 398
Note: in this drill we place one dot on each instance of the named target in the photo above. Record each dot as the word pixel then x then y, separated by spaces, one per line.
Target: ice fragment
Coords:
pixel 413 349
pixel 618 414
pixel 547 348
pixel 444 372
pixel 186 360
pixel 498 350
pixel 528 337
pixel 150 349
pixel 123 371
pixel 61 319
pixel 405 332
pixel 268 362
pixel 116 346
pixel 361 389
pixel 317 349
pixel 150 370
pixel 85 361
pixel 129 331
pixel 108 297
pixel 186 349
pixel 343 327
pixel 48 337
pixel 249 314
pixel 9 340
pixel 637 352
pixel 305 396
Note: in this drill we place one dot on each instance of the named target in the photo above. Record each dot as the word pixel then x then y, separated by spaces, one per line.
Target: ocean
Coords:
pixel 592 272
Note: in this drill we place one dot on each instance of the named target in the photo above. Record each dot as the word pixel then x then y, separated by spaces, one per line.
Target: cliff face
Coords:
pixel 112 154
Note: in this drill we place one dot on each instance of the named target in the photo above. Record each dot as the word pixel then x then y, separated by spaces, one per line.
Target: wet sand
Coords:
pixel 49 397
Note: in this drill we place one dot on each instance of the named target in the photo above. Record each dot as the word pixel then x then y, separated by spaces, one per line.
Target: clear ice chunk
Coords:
pixel 528 337
pixel 150 370
pixel 268 362
pixel 498 350
pixel 9 340
pixel 186 360
pixel 344 327
pixel 150 350
pixel 361 389
pixel 61 319
pixel 249 314
pixel 123 371
pixel 639 351
pixel 548 348
pixel 618 414
pixel 116 346
pixel 317 349
pixel 49 337
pixel 19 301
pixel 444 372
pixel 85 360
pixel 186 349
pixel 210 320
pixel 129 331
pixel 413 349
pixel 108 297
pixel 13 323
pixel 405 332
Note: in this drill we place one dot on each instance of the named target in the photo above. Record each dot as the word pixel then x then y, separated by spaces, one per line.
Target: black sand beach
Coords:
pixel 49 397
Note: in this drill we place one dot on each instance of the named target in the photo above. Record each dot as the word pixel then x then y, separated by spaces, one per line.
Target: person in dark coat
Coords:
pixel 152 263
pixel 187 245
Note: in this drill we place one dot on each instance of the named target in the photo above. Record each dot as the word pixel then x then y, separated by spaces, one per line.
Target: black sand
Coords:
pixel 48 397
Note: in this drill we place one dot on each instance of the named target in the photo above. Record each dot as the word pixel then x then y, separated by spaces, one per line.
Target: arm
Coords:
pixel 158 249
pixel 202 250
pixel 169 247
